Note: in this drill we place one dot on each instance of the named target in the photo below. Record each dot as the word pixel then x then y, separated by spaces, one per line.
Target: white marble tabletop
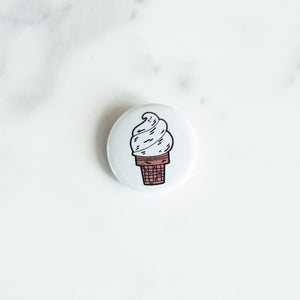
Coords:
pixel 69 230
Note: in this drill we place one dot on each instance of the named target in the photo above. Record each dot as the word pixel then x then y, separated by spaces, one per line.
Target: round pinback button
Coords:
pixel 152 148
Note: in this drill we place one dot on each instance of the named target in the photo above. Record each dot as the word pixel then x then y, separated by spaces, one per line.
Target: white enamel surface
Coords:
pixel 69 230
pixel 183 154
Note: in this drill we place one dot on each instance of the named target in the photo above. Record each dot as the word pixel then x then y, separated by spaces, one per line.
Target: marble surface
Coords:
pixel 69 230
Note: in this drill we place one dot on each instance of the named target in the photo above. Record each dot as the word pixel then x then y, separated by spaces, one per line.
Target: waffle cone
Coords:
pixel 153 168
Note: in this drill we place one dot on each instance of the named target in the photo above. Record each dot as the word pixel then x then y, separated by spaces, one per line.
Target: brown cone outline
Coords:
pixel 153 168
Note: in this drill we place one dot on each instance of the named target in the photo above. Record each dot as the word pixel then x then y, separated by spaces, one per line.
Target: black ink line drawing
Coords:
pixel 151 143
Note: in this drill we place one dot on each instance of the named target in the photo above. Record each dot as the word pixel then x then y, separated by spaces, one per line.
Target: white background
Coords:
pixel 69 230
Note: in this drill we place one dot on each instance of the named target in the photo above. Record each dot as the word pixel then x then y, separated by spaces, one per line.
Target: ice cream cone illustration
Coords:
pixel 151 143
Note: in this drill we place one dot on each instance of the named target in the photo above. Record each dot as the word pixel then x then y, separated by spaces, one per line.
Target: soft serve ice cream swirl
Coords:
pixel 151 137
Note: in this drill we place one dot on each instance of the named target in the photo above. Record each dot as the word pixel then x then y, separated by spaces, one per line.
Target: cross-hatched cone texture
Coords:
pixel 153 168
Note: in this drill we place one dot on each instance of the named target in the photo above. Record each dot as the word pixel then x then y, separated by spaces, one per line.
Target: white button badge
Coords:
pixel 152 148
